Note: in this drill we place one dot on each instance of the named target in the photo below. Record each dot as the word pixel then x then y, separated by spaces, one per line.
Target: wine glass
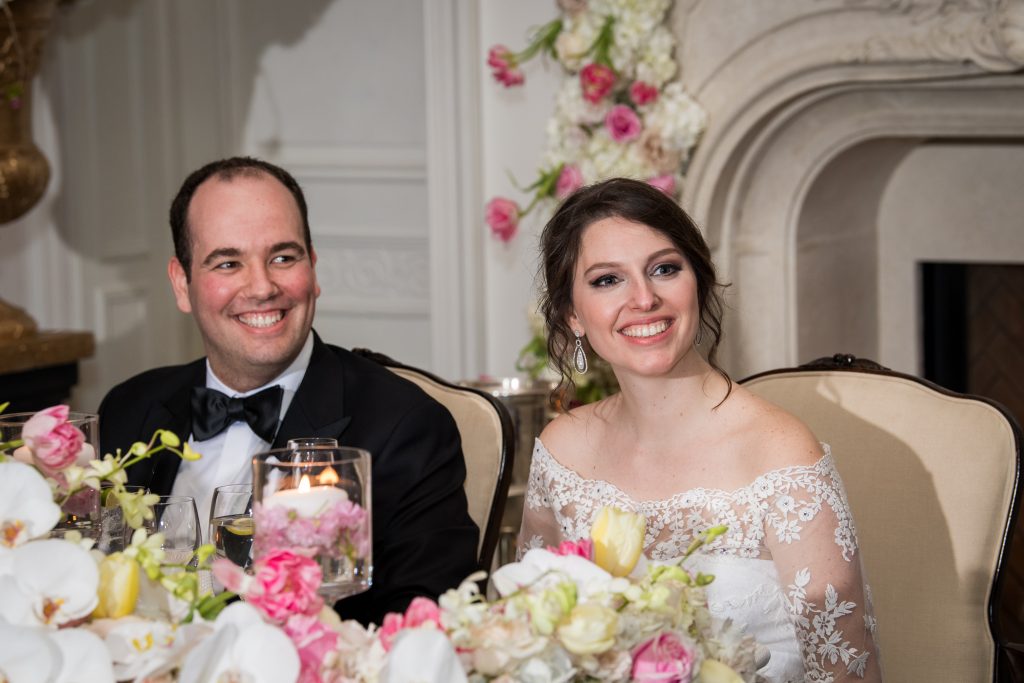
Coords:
pixel 177 519
pixel 312 442
pixel 231 525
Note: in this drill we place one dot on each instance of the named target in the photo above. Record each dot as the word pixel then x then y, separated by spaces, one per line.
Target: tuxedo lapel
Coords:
pixel 318 408
pixel 173 414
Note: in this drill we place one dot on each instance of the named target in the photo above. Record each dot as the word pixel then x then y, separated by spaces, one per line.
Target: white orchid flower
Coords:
pixel 47 583
pixel 39 655
pixel 27 509
pixel 242 647
pixel 540 567
pixel 142 649
pixel 421 654
pixel 28 655
pixel 83 657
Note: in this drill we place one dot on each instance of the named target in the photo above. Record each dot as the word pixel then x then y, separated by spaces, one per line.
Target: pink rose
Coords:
pixel 665 183
pixel 502 215
pixel 284 583
pixel 583 547
pixel 504 66
pixel 54 443
pixel 665 659
pixel 642 93
pixel 419 612
pixel 622 123
pixel 569 180
pixel 597 81
pixel 314 640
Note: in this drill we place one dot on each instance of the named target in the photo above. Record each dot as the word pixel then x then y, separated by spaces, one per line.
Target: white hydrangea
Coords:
pixel 571 107
pixel 656 65
pixel 576 37
pixel 679 118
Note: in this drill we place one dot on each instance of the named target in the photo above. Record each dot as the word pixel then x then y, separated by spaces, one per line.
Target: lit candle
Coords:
pixel 306 500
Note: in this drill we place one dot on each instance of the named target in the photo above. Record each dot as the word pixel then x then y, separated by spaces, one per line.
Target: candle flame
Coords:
pixel 304 483
pixel 329 477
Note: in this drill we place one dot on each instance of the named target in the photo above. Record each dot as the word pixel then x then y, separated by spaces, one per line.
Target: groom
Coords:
pixel 244 268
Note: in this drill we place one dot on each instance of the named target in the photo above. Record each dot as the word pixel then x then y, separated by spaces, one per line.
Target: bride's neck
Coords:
pixel 652 404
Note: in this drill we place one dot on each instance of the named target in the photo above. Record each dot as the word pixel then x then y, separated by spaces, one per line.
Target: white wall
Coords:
pixel 512 133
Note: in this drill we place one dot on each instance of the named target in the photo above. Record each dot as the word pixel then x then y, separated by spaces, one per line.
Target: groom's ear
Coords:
pixel 179 283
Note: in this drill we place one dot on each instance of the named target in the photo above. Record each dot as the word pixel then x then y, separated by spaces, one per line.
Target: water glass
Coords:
pixel 177 519
pixel 231 526
pixel 316 501
pixel 112 526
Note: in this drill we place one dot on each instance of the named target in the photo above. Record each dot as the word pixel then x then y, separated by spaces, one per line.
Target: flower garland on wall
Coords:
pixel 619 112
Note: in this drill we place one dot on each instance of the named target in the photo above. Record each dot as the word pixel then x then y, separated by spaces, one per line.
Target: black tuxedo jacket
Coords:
pixel 424 541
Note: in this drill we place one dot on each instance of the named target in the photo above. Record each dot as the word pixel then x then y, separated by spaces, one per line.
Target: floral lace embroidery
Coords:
pixel 781 501
pixel 821 641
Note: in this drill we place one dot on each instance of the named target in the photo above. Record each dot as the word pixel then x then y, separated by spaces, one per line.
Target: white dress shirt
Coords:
pixel 227 457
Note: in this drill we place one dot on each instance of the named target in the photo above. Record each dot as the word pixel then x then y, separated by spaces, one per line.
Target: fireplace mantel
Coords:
pixel 813 106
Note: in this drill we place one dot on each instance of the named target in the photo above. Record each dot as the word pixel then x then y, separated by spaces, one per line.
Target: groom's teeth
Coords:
pixel 646 330
pixel 261 319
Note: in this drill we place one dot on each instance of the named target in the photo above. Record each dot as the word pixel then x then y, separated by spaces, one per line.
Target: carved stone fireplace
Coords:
pixel 848 141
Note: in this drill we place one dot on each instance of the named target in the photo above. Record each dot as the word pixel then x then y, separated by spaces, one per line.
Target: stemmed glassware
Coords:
pixel 231 526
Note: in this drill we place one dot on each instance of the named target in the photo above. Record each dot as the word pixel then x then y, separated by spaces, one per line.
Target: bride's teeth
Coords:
pixel 261 319
pixel 646 330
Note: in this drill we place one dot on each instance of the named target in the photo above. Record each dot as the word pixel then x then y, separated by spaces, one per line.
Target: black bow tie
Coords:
pixel 213 412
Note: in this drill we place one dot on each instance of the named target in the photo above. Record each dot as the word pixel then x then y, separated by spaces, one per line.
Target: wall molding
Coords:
pixel 454 193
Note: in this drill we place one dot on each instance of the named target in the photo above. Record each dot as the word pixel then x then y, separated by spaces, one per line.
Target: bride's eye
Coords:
pixel 666 269
pixel 604 281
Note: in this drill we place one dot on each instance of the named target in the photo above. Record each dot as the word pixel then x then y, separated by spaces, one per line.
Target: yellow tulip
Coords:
pixel 118 588
pixel 618 540
pixel 713 671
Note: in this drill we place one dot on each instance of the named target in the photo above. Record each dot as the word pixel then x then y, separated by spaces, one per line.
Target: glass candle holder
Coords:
pixel 316 501
pixel 82 509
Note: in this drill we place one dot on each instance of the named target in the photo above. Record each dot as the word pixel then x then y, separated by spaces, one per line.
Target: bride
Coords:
pixel 626 270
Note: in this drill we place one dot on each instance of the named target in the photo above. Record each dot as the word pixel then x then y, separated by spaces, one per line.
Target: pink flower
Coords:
pixel 642 93
pixel 569 180
pixel 54 443
pixel 665 659
pixel 583 547
pixel 597 81
pixel 665 183
pixel 284 583
pixel 502 216
pixel 622 123
pixel 504 66
pixel 420 612
pixel 314 640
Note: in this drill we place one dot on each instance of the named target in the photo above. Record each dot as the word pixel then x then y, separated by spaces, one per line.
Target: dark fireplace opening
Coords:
pixel 973 343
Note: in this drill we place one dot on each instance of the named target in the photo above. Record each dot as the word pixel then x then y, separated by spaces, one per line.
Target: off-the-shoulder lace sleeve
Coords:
pixel 540 526
pixel 810 533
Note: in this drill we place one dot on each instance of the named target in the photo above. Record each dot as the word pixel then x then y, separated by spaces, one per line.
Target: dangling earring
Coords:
pixel 579 357
pixel 700 336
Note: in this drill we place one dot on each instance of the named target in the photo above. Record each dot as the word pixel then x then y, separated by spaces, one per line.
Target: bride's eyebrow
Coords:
pixel 653 257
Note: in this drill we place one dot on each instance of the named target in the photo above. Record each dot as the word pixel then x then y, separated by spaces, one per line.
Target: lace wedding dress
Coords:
pixel 787 569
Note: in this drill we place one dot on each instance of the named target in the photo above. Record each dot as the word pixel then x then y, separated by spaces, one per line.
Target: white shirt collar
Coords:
pixel 289 380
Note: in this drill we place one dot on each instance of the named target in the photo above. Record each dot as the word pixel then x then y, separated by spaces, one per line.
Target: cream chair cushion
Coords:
pixel 930 478
pixel 480 428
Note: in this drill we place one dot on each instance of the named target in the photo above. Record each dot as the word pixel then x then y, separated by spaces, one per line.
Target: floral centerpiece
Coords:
pixel 620 111
pixel 591 610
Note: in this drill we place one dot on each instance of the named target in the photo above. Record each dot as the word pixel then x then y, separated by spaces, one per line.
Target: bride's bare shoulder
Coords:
pixel 774 437
pixel 564 434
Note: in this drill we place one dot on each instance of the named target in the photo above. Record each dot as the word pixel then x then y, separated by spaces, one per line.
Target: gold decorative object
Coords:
pixel 24 171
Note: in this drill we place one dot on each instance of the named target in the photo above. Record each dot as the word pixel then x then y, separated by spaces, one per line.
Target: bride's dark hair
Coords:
pixel 562 240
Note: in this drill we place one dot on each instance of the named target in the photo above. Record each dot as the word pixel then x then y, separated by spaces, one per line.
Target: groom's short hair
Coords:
pixel 226 170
